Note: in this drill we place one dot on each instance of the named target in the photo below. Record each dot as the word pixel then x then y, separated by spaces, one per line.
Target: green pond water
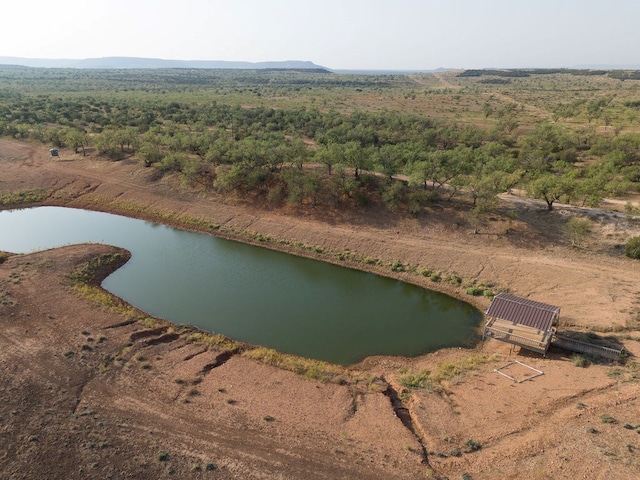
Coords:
pixel 252 294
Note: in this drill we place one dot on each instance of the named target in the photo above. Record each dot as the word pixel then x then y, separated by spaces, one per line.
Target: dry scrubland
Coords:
pixel 94 389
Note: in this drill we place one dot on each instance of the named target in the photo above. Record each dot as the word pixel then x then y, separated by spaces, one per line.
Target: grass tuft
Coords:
pixel 314 369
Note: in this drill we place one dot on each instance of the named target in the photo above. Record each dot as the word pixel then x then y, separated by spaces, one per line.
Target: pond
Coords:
pixel 252 294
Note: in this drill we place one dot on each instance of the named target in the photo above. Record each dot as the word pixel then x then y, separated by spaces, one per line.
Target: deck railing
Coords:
pixel 516 339
pixel 584 347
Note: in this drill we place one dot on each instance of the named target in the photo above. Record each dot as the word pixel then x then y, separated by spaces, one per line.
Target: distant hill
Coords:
pixel 392 72
pixel 134 62
pixel 609 67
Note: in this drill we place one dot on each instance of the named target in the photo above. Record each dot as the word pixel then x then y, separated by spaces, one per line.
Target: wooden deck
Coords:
pixel 517 334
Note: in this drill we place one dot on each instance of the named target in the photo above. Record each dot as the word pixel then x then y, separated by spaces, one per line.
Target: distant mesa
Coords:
pixel 135 63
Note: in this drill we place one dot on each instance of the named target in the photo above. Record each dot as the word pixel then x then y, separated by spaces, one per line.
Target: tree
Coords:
pixel 393 194
pixel 389 159
pixel 478 213
pixel 546 144
pixel 301 186
pixel 551 187
pixel 76 139
pixel 150 150
pixel 296 152
pixel 357 157
pixel 108 145
pixel 150 153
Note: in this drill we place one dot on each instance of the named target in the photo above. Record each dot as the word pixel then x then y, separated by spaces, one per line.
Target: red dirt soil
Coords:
pixel 87 395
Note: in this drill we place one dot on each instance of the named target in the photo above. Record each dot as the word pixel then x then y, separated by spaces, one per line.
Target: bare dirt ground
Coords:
pixel 85 396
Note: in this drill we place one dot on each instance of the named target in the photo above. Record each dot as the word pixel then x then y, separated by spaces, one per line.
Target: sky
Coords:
pixel 338 34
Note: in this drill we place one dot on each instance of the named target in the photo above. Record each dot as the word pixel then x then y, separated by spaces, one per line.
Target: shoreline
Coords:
pixel 89 391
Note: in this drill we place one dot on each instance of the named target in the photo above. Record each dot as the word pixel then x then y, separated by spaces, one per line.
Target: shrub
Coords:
pixel 397 267
pixel 577 229
pixel 632 248
pixel 419 199
pixel 163 456
pixel 415 380
pixel 475 291
pixel 472 446
pixel 489 294
pixel 606 418
pixel 580 361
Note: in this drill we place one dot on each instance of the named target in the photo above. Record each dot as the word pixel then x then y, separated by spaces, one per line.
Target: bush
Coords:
pixel 489 294
pixel 581 361
pixel 632 248
pixel 577 229
pixel 397 267
pixel 472 446
pixel 393 195
pixel 416 380
pixel 475 291
pixel 419 199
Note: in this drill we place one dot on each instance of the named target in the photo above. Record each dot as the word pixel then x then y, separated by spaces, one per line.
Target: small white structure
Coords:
pixel 53 152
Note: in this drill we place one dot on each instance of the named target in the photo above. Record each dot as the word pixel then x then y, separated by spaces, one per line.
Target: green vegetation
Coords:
pixel 475 291
pixel 444 371
pixel 632 248
pixel 581 361
pixel 413 380
pixel 309 368
pixel 472 446
pixel 213 341
pixel 21 198
pixel 321 140
pixel 578 229
pixel 91 272
pixel 314 369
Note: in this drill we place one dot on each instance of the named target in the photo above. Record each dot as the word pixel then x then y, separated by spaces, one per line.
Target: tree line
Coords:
pixel 309 155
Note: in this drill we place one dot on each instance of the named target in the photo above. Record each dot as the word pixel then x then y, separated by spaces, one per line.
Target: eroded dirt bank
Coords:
pixel 86 394
pixel 81 399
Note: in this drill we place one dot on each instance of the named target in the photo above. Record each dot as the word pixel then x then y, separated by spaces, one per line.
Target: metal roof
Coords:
pixel 523 312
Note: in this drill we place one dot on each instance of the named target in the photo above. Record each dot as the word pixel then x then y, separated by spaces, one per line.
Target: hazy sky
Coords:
pixel 341 34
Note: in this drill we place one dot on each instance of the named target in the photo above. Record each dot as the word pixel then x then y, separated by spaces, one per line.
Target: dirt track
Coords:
pixel 108 409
